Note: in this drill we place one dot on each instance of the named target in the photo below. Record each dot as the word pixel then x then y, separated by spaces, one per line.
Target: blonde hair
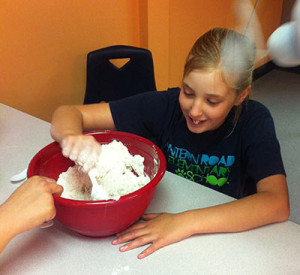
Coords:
pixel 227 51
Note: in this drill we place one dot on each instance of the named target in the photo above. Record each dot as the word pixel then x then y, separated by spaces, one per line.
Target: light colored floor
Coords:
pixel 280 92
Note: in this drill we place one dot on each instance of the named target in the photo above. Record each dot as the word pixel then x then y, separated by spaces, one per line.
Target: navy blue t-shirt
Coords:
pixel 228 160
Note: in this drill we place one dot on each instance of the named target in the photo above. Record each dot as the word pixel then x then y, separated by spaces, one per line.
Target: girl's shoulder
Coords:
pixel 170 93
pixel 173 91
pixel 256 121
pixel 253 109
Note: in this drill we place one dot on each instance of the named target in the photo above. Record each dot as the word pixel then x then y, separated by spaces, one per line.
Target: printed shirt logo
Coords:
pixel 200 168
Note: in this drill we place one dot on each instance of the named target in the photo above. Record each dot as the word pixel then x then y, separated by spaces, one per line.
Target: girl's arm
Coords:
pixel 269 205
pixel 72 120
pixel 68 123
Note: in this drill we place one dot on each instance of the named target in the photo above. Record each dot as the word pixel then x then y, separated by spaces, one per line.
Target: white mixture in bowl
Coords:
pixel 118 173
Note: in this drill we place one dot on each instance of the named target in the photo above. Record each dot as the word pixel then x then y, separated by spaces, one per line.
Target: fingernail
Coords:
pixel 141 256
pixel 65 152
pixel 114 242
pixel 123 248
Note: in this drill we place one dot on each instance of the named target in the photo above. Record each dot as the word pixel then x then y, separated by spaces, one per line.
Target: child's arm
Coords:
pixel 72 120
pixel 29 206
pixel 269 205
pixel 68 123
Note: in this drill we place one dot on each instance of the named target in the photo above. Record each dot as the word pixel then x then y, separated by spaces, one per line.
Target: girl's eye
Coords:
pixel 212 102
pixel 187 93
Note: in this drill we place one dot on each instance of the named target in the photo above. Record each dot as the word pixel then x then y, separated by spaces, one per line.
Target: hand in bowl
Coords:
pixel 82 149
pixel 159 229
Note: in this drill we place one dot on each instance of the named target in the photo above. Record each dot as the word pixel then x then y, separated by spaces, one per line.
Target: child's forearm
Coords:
pixel 66 120
pixel 240 215
pixel 3 242
pixel 5 234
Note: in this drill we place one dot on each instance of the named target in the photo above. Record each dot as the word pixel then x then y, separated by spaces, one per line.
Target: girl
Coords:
pixel 209 131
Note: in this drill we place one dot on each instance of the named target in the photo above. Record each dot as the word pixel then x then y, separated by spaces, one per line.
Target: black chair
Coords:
pixel 107 82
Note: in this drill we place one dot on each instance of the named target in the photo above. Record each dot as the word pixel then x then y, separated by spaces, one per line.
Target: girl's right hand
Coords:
pixel 82 149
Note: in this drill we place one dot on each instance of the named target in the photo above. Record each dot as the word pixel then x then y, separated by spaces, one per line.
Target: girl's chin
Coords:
pixel 197 126
pixel 197 131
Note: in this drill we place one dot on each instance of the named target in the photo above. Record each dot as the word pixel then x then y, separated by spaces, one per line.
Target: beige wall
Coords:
pixel 44 43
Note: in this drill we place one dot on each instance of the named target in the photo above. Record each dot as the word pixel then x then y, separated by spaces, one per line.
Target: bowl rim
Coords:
pixel 83 203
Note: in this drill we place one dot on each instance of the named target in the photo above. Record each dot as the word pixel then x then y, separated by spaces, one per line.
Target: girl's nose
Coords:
pixel 197 109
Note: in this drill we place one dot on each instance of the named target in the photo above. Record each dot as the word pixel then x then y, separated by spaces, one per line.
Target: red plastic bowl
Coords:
pixel 102 218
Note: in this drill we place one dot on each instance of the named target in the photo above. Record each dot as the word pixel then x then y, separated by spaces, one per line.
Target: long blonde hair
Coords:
pixel 231 53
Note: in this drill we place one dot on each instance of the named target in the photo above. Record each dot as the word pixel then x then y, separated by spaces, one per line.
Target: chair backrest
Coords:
pixel 107 82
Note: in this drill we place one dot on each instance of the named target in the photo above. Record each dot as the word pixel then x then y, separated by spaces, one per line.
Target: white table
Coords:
pixel 272 249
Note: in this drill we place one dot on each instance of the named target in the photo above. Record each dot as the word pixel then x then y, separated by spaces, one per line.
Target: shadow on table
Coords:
pixel 38 246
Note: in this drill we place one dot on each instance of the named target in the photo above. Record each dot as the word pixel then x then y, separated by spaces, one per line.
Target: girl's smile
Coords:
pixel 196 123
pixel 206 100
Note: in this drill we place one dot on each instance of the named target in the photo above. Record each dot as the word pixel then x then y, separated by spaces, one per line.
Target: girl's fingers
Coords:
pixel 143 240
pixel 66 148
pixel 148 251
pixel 67 145
pixel 130 235
pixel 93 157
pixel 150 216
pixel 95 152
pixel 85 151
pixel 134 231
pixel 82 149
pixel 137 226
pixel 83 158
pixel 75 151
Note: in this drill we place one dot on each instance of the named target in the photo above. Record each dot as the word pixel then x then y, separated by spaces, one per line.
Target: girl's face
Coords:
pixel 206 100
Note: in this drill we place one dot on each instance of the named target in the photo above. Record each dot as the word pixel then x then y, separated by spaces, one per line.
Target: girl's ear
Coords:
pixel 241 97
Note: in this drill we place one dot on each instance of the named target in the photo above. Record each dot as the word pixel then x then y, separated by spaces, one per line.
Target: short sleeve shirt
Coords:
pixel 230 159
